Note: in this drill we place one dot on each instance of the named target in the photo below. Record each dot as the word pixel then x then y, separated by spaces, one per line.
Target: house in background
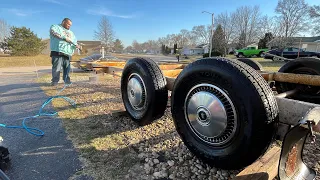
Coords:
pixel 253 45
pixel 306 43
pixel 91 47
pixel 197 50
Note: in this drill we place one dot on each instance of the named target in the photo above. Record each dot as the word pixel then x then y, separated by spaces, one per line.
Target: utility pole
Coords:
pixel 210 41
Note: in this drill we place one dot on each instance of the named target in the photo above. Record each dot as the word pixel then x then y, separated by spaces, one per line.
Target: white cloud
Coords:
pixel 55 2
pixel 106 12
pixel 20 12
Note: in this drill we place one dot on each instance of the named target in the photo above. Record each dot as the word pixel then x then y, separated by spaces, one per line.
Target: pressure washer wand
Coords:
pixel 77 45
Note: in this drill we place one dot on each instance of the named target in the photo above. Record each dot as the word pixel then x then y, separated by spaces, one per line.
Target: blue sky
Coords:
pixel 131 19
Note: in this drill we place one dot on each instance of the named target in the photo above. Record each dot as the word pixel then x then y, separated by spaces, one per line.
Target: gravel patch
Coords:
pixel 114 147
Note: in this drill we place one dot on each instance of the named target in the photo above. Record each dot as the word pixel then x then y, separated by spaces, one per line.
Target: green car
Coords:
pixel 249 52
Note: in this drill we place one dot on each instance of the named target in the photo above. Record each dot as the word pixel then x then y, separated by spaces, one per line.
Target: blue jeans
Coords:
pixel 59 62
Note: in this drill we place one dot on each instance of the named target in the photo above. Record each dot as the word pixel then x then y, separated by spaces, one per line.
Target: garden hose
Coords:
pixel 35 131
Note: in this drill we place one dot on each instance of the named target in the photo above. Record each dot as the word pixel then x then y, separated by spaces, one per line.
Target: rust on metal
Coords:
pixel 291 163
pixel 312 80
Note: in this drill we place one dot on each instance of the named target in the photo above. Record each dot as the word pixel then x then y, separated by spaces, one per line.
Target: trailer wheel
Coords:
pixel 143 89
pixel 224 112
pixel 254 64
pixel 305 65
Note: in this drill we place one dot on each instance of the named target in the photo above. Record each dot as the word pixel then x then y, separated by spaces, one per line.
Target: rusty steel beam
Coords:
pixel 312 80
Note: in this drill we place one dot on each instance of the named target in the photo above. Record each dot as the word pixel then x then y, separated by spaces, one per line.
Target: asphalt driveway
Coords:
pixel 49 157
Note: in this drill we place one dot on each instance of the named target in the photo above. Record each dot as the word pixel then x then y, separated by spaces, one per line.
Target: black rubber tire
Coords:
pixel 260 54
pixel 299 66
pixel 4 159
pixel 255 105
pixel 254 64
pixel 155 87
pixel 240 54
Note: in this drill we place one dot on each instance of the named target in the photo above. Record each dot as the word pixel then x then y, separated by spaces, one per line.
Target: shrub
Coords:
pixel 213 54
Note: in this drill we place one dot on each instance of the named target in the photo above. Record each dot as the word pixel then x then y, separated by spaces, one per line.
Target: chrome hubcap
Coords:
pixel 210 114
pixel 136 91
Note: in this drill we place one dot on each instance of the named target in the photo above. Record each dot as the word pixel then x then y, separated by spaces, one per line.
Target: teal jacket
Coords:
pixel 58 35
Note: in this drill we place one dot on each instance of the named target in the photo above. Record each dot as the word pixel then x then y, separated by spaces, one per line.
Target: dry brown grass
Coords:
pixel 269 65
pixel 26 61
pixel 106 142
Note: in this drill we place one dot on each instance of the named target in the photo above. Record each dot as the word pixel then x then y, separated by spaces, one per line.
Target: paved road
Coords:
pixel 49 157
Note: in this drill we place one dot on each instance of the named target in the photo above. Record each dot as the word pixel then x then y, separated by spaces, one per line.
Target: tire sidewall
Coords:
pixel 133 66
pixel 295 64
pixel 240 98
pixel 255 65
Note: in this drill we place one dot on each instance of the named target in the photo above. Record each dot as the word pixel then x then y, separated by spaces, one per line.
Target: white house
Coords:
pixel 253 45
pixel 206 48
pixel 197 50
pixel 306 43
pixel 192 51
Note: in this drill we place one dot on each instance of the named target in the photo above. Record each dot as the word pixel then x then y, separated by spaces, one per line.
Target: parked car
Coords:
pixel 250 51
pixel 291 53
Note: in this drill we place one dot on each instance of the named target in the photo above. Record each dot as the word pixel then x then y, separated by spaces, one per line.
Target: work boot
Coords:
pixel 54 83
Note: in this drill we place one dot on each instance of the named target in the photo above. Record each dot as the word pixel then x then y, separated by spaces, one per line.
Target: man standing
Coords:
pixel 62 45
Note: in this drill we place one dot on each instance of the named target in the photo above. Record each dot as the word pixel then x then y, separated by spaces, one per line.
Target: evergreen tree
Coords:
pixel 117 45
pixel 163 49
pixel 167 50
pixel 23 42
pixel 175 46
pixel 219 44
pixel 263 42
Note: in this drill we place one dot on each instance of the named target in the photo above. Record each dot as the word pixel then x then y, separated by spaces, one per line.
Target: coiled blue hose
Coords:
pixel 35 131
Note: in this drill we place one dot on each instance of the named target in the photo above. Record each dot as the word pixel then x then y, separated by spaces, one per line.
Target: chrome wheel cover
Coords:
pixel 210 114
pixel 136 92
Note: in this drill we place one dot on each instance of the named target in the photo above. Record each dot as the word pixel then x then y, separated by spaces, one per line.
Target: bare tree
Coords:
pixel 128 49
pixel 105 33
pixel 192 39
pixel 136 46
pixel 172 39
pixel 150 45
pixel 314 14
pixel 292 16
pixel 4 30
pixel 225 20
pixel 202 33
pixel 246 23
pixel 185 40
